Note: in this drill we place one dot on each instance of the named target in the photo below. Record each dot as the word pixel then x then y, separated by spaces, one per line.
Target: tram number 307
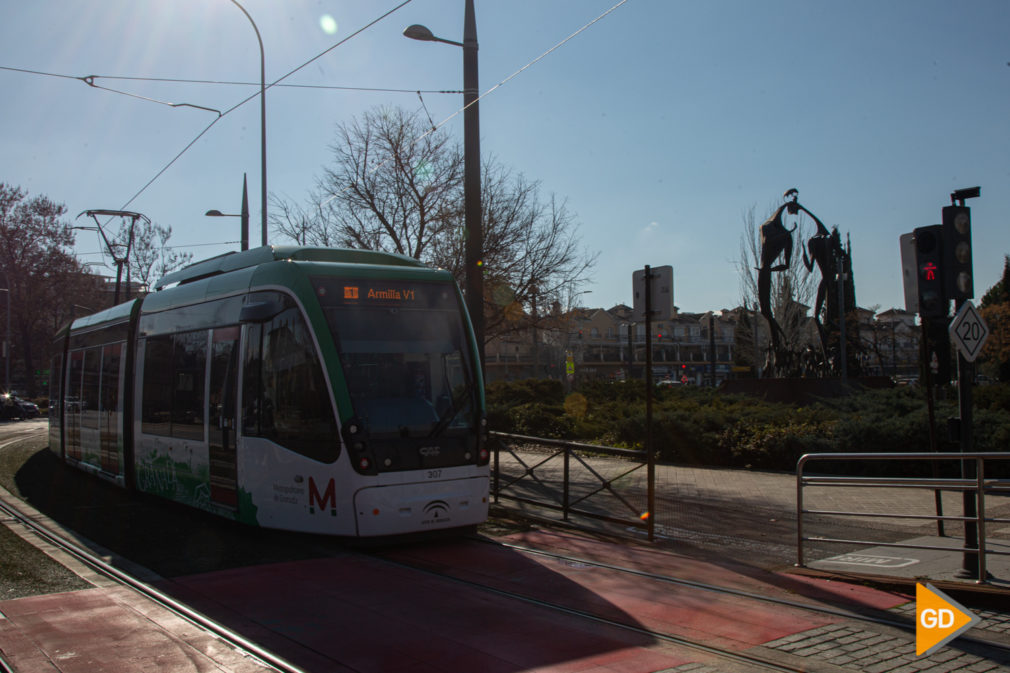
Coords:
pixel 434 474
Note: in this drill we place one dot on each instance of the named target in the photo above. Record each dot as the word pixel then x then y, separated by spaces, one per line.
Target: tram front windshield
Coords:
pixel 404 355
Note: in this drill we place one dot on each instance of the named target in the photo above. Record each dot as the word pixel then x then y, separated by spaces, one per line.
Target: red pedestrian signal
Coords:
pixel 933 301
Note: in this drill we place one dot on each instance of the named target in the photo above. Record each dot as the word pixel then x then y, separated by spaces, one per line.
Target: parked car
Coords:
pixel 10 410
pixel 30 408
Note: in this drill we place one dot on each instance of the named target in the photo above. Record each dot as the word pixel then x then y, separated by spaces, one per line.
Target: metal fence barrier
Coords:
pixel 505 486
pixel 980 485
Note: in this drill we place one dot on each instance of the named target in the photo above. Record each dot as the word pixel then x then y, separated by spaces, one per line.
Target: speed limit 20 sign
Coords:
pixel 968 331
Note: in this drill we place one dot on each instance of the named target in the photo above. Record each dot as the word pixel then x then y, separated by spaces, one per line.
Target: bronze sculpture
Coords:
pixel 834 262
pixel 775 240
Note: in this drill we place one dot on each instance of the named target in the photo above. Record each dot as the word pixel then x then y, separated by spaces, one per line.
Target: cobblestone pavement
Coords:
pixel 848 647
pixel 871 651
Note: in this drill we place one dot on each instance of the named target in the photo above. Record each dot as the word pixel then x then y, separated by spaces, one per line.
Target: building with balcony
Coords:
pixel 694 348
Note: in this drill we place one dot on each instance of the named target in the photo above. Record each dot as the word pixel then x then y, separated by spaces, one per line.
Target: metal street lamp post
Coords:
pixel 471 169
pixel 244 215
pixel 7 339
pixel 263 135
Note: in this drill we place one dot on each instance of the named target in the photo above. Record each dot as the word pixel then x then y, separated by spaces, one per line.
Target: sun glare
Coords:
pixel 328 24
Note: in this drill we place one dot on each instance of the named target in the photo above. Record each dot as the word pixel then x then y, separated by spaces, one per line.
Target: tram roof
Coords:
pixel 233 261
pixel 118 313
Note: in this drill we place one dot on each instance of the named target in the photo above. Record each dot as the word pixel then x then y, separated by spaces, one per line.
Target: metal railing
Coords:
pixel 574 456
pixel 980 485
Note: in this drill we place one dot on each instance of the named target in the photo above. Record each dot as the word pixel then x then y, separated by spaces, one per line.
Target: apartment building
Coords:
pixel 692 348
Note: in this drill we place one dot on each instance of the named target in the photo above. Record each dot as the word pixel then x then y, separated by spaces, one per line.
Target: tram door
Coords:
pixel 223 390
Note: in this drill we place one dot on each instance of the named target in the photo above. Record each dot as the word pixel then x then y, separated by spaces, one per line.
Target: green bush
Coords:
pixel 512 393
pixel 700 426
pixel 993 397
pixel 539 420
pixel 776 446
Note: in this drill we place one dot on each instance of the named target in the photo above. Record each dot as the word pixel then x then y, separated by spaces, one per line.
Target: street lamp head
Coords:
pixel 419 32
pixel 217 213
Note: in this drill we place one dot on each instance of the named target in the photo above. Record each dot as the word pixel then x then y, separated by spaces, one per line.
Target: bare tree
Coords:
pixel 150 255
pixel 396 185
pixel 42 278
pixel 392 187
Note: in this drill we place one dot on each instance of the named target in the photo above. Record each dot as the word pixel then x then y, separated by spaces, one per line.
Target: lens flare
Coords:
pixel 328 24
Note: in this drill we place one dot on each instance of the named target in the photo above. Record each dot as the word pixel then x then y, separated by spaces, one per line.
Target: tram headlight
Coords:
pixel 483 439
pixel 356 440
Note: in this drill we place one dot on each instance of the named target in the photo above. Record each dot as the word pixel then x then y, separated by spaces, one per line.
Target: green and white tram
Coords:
pixel 310 389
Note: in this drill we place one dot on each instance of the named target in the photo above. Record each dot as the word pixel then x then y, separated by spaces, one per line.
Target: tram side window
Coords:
pixel 90 395
pixel 111 359
pixel 157 404
pixel 189 365
pixel 54 390
pixel 285 397
pixel 173 402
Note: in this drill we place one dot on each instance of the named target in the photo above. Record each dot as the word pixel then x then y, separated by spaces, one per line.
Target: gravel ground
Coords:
pixel 25 570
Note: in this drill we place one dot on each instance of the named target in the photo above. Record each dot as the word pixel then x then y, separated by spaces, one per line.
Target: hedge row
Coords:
pixel 699 426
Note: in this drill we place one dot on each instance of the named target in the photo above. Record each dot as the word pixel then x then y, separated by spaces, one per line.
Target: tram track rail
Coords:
pixel 741 657
pixel 891 622
pixel 232 638
pixel 703 586
pixel 738 657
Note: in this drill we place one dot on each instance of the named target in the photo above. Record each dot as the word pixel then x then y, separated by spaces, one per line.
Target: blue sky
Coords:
pixel 661 125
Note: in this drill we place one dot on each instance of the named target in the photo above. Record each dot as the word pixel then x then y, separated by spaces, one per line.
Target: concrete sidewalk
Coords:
pixel 107 628
pixel 779 491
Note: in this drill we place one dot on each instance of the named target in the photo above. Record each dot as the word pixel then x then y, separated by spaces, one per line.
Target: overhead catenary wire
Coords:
pixel 218 82
pixel 221 115
pixel 247 99
pixel 169 247
pixel 515 74
pixel 436 127
pixel 278 82
pixel 90 81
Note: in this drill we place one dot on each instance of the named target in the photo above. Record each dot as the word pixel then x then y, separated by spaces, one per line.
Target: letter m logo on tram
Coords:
pixel 328 500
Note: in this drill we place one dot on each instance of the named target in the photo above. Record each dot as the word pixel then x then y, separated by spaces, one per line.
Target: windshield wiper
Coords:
pixel 449 414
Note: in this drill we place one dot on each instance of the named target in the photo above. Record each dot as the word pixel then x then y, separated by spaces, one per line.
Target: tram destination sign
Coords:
pixel 968 331
pixel 386 292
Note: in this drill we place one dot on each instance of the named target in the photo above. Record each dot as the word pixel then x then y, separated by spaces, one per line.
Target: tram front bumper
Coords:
pixel 404 508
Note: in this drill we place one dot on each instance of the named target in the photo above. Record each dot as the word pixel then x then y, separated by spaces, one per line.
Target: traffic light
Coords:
pixel 937 352
pixel 929 260
pixel 958 282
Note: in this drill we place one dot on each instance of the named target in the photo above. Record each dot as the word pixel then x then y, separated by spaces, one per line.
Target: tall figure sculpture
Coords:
pixel 823 255
pixel 835 264
pixel 775 240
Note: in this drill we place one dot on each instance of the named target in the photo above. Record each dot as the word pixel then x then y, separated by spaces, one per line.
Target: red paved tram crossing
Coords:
pixel 464 605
